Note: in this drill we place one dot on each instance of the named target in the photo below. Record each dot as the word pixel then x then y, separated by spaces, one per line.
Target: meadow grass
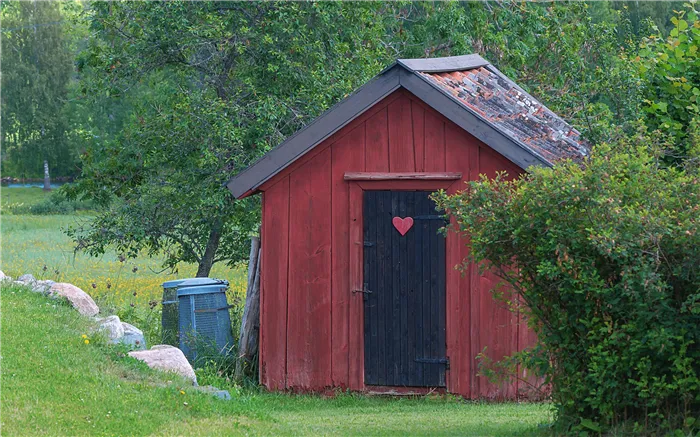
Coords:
pixel 24 196
pixel 37 244
pixel 55 384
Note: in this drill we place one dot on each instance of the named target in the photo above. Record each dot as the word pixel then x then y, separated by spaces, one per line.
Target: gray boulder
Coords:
pixel 4 277
pixel 42 286
pixel 133 336
pixel 80 300
pixel 112 327
pixel 168 359
pixel 27 279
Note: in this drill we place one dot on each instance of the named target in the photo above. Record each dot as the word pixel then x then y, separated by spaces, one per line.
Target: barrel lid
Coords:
pixel 201 282
pixel 174 283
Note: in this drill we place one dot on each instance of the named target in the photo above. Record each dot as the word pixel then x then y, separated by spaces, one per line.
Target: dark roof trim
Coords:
pixel 443 65
pixel 470 121
pixel 315 132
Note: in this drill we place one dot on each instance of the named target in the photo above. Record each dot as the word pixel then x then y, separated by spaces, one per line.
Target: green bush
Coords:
pixel 606 257
pixel 56 203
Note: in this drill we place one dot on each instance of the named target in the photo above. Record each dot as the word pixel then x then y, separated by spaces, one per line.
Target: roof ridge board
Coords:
pixel 444 65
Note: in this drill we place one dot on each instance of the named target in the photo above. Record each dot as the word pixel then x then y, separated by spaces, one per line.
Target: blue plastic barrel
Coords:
pixel 204 318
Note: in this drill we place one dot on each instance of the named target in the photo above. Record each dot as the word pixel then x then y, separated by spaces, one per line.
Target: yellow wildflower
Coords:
pixel 87 341
pixel 182 392
pixel 84 336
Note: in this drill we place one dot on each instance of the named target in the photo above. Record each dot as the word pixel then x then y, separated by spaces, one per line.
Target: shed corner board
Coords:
pixel 411 176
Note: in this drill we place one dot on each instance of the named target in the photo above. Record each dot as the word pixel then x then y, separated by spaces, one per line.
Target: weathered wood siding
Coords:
pixel 311 322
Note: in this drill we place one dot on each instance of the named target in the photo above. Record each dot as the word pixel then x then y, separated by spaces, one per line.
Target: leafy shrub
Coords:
pixel 606 257
pixel 56 203
pixel 670 68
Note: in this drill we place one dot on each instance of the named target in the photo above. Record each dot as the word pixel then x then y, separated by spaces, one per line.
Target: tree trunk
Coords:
pixel 47 178
pixel 207 260
pixel 250 323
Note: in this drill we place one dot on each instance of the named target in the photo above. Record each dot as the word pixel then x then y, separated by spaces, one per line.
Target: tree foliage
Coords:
pixel 671 70
pixel 212 86
pixel 36 69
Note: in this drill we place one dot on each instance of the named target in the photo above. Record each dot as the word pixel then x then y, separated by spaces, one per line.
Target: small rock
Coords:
pixel 4 277
pixel 27 279
pixel 167 358
pixel 112 327
pixel 133 336
pixel 210 389
pixel 80 300
pixel 42 286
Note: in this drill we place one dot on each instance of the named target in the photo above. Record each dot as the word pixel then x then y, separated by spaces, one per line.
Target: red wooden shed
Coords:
pixel 358 289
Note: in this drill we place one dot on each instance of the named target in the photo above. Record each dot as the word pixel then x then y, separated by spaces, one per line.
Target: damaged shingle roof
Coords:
pixel 467 90
pixel 509 108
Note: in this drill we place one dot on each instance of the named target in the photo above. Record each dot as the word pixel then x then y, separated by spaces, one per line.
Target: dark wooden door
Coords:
pixel 404 290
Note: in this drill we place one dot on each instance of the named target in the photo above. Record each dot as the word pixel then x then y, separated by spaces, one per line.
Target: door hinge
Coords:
pixel 445 361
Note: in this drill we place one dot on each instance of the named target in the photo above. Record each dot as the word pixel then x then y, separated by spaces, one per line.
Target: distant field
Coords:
pixel 36 244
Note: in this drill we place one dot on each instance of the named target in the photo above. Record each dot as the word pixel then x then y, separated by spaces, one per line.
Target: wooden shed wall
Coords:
pixel 311 323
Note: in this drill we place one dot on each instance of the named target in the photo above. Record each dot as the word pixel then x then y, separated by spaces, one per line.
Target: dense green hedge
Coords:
pixel 607 257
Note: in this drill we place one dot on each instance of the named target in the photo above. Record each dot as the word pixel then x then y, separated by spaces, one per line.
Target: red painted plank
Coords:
pixel 435 142
pixel 357 350
pixel 418 116
pixel 309 312
pixel 273 294
pixel 348 154
pixel 377 145
pixel 401 150
pixel 459 155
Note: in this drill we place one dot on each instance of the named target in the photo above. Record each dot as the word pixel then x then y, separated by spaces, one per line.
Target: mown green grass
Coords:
pixel 55 384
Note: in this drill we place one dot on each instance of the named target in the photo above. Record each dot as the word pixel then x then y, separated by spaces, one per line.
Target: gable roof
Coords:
pixel 468 90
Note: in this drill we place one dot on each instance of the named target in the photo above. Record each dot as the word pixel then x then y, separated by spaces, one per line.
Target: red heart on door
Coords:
pixel 402 224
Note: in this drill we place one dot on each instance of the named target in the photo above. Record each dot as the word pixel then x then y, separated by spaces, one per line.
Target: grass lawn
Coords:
pixel 54 384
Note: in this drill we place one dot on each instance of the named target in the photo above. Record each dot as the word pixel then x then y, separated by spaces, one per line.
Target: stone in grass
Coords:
pixel 4 277
pixel 42 286
pixel 80 300
pixel 210 389
pixel 27 279
pixel 133 336
pixel 112 328
pixel 167 358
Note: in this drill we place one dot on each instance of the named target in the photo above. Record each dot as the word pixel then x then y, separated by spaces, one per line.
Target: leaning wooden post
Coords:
pixel 250 324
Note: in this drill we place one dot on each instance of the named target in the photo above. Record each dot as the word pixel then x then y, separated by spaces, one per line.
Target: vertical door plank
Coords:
pixel 309 312
pixel 273 292
pixel 410 291
pixel 377 142
pixel 401 150
pixel 347 154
